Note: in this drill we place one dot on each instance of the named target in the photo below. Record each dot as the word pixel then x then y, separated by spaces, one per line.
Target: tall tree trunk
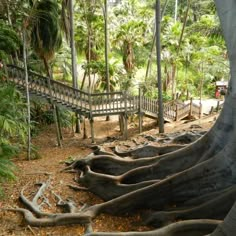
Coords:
pixel 176 10
pixel 72 45
pixel 105 14
pixel 159 81
pixel 56 118
pixel 153 44
pixel 27 95
pixel 183 27
pixel 89 60
pixel 73 60
pixel 227 14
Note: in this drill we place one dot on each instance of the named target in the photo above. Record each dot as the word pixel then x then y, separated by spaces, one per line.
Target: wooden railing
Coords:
pixel 195 110
pixel 170 110
pixel 149 105
pixel 173 111
pixel 98 104
pixel 89 104
pixel 182 111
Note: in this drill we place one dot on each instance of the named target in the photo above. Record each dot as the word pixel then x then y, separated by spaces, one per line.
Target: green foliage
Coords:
pixel 130 25
pixel 89 32
pixel 65 117
pixel 42 114
pixel 12 118
pixel 46 35
pixel 13 128
pixel 131 29
pixel 99 68
pixel 9 40
pixel 61 64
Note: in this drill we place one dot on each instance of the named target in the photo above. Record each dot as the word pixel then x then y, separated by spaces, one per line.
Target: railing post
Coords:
pixel 200 110
pixel 92 129
pixel 218 106
pixel 125 117
pixel 212 110
pixel 191 107
pixel 176 112
pixel 140 111
pixel 91 121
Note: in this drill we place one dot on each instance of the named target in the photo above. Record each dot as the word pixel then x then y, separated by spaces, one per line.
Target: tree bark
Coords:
pixel 27 95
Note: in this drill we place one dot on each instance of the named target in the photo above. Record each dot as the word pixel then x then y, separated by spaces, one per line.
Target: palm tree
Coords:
pixel 46 39
pixel 46 34
pixel 130 30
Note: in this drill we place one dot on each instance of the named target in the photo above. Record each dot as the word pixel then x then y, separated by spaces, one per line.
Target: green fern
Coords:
pixel 13 129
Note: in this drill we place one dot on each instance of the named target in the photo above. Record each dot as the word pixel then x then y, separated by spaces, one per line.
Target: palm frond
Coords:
pixel 9 40
pixel 46 35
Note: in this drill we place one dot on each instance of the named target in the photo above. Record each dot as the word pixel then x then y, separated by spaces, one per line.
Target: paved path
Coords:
pixel 207 104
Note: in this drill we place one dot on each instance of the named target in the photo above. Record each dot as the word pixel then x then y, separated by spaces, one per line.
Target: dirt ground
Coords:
pixel 51 163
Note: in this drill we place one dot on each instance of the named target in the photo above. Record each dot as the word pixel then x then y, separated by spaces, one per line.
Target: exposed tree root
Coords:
pixel 183 228
pixel 181 178
pixel 34 216
pixel 147 151
pixel 228 227
pixel 52 219
pixel 215 208
pixel 78 188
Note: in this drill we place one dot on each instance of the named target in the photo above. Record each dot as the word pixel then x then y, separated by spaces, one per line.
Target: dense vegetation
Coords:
pixel 193 51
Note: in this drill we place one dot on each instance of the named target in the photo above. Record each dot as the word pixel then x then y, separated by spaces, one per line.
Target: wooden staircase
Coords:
pixel 99 104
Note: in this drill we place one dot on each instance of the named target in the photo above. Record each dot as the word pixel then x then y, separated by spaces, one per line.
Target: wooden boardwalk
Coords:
pixel 91 105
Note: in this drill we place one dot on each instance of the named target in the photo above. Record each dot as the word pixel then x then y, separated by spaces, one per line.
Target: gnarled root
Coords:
pixel 34 216
pixel 181 178
pixel 183 228
pixel 216 208
pixel 52 219
pixel 147 151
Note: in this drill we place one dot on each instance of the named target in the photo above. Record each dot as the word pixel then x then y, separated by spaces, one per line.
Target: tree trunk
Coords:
pixel 72 45
pixel 228 227
pixel 73 59
pixel 153 44
pixel 27 95
pixel 159 81
pixel 105 16
pixel 55 115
